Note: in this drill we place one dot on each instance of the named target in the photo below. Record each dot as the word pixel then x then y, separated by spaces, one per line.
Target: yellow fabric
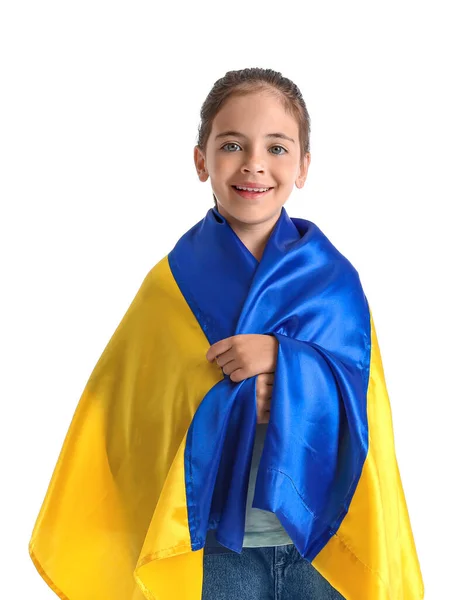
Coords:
pixel 365 557
pixel 100 526
pixel 114 524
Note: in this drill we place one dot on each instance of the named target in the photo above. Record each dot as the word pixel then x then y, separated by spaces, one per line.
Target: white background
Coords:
pixel 98 119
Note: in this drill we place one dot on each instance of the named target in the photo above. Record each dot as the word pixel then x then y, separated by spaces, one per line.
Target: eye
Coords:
pixel 282 148
pixel 229 144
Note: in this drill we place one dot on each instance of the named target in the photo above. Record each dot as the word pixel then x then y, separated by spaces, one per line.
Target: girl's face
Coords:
pixel 252 141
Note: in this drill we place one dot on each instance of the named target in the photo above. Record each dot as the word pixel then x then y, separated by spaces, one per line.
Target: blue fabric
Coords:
pixel 270 573
pixel 309 296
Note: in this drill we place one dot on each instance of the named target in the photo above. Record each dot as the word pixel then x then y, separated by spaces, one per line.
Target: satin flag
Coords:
pixel 160 445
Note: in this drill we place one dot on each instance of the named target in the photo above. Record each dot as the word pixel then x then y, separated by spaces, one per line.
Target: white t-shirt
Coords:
pixel 262 528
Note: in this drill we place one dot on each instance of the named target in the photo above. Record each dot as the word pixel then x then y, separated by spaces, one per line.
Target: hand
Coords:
pixel 264 383
pixel 245 355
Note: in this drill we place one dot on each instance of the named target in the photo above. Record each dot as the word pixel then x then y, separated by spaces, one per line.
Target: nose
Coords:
pixel 253 165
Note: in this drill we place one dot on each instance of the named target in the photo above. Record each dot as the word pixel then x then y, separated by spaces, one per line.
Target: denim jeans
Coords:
pixel 267 573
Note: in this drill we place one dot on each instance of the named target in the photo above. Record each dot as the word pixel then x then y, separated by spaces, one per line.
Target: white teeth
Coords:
pixel 252 189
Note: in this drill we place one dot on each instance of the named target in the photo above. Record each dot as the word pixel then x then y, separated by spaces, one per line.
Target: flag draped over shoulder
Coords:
pixel 160 445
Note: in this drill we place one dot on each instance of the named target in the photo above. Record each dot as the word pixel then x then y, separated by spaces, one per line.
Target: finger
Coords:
pixel 238 375
pixel 230 367
pixel 269 379
pixel 219 348
pixel 225 357
pixel 262 391
pixel 263 417
pixel 263 406
pixel 266 378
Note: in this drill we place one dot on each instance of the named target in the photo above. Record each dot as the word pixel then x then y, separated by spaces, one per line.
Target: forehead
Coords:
pixel 259 112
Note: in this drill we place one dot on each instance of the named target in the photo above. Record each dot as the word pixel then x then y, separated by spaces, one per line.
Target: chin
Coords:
pixel 251 214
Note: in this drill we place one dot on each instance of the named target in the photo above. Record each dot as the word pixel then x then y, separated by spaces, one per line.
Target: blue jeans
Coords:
pixel 268 573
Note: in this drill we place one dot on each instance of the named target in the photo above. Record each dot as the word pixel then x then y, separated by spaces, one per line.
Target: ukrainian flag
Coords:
pixel 159 447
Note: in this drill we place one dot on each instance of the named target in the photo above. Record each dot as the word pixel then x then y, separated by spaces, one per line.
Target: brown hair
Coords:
pixel 246 81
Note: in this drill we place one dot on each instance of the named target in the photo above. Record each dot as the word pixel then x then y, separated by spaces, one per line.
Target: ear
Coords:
pixel 303 170
pixel 200 164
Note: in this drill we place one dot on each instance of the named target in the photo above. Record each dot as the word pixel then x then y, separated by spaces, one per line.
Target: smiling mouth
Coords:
pixel 251 194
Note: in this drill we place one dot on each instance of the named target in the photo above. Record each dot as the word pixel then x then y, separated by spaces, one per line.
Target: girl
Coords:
pixel 235 439
pixel 254 134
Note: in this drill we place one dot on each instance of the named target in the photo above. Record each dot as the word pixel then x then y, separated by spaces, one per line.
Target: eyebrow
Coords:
pixel 268 135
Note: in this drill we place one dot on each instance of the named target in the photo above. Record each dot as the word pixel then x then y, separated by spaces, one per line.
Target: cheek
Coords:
pixel 222 163
pixel 289 168
pixel 286 170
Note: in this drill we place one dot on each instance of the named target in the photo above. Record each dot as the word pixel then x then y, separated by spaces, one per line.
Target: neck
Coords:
pixel 253 235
